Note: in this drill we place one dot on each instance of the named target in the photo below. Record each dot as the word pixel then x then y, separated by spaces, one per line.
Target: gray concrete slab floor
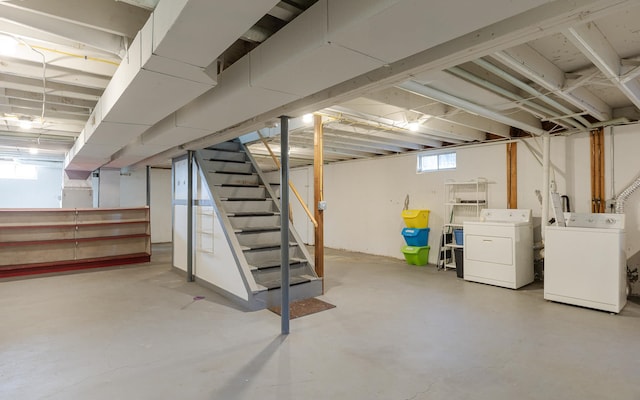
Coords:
pixel 398 332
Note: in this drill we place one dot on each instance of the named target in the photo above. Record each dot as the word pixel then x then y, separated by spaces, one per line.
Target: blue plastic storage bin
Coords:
pixel 415 236
pixel 459 235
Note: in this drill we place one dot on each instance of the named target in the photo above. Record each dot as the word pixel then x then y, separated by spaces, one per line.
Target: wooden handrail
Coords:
pixel 291 185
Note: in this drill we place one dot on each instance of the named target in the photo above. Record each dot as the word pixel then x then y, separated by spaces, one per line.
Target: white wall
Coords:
pixel 365 198
pixel 109 188
pixel 44 192
pixel 132 192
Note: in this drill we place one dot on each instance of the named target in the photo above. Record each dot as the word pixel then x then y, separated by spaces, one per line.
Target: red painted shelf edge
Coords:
pixel 71 265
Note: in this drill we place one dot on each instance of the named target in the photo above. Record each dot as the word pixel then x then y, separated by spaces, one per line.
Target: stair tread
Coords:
pixel 252 185
pixel 266 246
pixel 275 283
pixel 275 264
pixel 251 199
pixel 233 173
pixel 258 229
pixel 252 213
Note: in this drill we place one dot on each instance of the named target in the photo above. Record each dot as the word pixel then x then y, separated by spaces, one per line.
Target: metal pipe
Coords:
pixel 546 167
pixel 284 224
pixel 190 216
pixel 148 186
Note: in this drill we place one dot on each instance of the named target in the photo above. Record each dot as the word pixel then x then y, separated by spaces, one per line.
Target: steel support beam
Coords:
pixel 190 277
pixel 284 224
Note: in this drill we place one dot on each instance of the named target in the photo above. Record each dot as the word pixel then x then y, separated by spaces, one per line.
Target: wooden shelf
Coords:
pixel 33 240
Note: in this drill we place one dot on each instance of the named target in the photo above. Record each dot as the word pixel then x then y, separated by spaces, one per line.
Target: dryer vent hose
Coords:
pixel 622 197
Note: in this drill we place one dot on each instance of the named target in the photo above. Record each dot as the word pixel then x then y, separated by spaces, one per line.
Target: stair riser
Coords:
pixel 256 257
pixel 259 239
pixel 230 179
pixel 230 192
pixel 255 222
pixel 228 146
pixel 222 166
pixel 224 155
pixel 249 206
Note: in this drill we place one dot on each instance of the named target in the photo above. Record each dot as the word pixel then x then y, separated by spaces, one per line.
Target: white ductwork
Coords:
pixel 622 197
pixel 330 43
pixel 166 66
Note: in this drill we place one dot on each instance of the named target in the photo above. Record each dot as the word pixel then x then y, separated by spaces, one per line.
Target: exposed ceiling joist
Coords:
pixel 593 44
pixel 35 85
pixel 54 73
pixel 534 66
pixel 375 135
pixel 106 41
pixel 528 124
pixel 51 99
pixel 117 17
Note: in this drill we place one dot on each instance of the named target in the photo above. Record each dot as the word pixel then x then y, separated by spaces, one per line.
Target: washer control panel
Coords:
pixel 601 221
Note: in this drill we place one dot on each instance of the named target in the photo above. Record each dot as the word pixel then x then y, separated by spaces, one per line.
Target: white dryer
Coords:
pixel 498 249
pixel 585 262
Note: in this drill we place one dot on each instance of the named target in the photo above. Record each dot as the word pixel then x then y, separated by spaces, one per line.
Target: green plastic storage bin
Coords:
pixel 416 255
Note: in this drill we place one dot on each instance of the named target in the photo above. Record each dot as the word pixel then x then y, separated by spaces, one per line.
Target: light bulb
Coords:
pixel 33 150
pixel 8 45
pixel 413 127
pixel 307 118
pixel 25 124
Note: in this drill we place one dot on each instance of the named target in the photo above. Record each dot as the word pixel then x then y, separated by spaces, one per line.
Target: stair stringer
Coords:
pixel 251 287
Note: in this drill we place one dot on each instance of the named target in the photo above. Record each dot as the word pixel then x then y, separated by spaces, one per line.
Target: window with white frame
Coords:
pixel 13 170
pixel 436 162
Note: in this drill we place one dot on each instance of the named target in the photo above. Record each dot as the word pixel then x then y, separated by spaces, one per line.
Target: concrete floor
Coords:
pixel 398 332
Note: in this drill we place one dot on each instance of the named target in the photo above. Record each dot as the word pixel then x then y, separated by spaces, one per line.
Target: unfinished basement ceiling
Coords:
pixel 531 68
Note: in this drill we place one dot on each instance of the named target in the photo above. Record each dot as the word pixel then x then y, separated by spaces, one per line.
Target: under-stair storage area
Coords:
pixel 34 241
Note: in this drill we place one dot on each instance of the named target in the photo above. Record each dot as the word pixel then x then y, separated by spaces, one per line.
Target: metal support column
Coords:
pixel 546 186
pixel 190 216
pixel 148 186
pixel 284 223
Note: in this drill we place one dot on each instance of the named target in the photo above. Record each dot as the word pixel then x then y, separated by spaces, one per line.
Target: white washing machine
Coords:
pixel 498 249
pixel 585 262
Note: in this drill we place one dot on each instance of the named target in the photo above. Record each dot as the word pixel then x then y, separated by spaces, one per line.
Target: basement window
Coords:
pixel 13 170
pixel 436 162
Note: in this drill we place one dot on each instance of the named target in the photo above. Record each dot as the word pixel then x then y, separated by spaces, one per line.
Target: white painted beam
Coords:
pixel 51 99
pixel 107 16
pixel 106 41
pixel 595 46
pixel 525 60
pixel 35 85
pixel 428 107
pixel 17 67
pixel 512 120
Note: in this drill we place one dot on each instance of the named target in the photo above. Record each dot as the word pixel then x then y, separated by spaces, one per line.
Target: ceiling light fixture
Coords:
pixel 307 118
pixel 413 126
pixel 33 151
pixel 8 45
pixel 25 124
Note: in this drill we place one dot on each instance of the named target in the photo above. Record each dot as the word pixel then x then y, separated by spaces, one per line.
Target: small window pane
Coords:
pixel 447 161
pixel 428 163
pixel 435 162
